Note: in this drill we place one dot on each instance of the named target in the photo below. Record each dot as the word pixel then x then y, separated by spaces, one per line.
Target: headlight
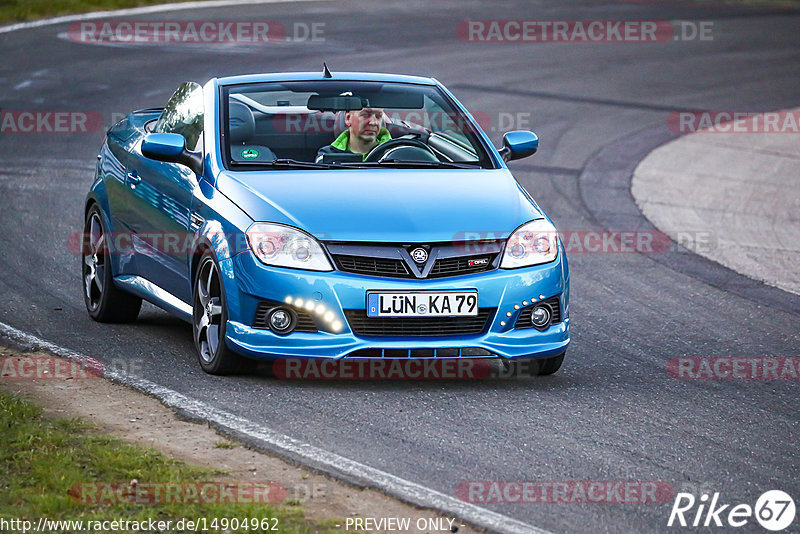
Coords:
pixel 531 244
pixel 283 246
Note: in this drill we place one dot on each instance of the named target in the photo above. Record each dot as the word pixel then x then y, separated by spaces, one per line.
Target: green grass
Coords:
pixel 41 459
pixel 22 10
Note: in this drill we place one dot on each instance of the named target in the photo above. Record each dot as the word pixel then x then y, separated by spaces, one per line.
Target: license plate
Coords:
pixel 450 303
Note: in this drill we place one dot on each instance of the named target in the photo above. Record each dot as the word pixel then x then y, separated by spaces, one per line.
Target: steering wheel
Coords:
pixel 380 152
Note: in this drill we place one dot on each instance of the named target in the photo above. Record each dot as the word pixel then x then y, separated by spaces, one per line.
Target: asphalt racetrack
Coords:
pixel 613 412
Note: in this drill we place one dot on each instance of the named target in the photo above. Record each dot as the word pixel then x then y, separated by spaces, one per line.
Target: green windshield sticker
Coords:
pixel 250 153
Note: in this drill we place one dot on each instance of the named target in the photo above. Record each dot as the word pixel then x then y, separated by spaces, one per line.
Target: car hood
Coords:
pixel 386 205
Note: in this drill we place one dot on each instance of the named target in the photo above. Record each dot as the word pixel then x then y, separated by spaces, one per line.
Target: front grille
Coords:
pixel 465 352
pixel 372 266
pixel 524 320
pixel 392 260
pixel 305 323
pixel 417 326
pixel 457 266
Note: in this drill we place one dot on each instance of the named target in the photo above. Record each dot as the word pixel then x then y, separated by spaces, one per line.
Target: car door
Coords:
pixel 162 197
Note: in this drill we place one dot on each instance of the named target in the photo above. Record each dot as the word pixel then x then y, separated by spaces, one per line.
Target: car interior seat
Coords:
pixel 242 128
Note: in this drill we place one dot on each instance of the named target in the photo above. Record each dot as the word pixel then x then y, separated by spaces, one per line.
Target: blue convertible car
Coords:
pixel 245 207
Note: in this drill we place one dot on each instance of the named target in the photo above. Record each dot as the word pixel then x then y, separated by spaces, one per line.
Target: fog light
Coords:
pixel 540 317
pixel 280 321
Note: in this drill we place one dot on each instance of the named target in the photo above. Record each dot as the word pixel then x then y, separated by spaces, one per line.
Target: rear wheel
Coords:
pixel 210 317
pixel 105 302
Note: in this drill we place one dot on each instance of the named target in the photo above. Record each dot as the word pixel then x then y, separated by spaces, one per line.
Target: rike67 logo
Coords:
pixel 774 511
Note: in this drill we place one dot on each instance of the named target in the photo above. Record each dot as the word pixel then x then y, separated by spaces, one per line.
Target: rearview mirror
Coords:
pixel 519 144
pixel 334 103
pixel 171 148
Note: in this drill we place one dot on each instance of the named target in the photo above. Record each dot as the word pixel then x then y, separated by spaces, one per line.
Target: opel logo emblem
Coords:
pixel 419 255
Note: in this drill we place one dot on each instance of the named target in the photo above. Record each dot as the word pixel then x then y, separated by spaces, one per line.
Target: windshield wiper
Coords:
pixel 405 164
pixel 297 164
pixel 286 164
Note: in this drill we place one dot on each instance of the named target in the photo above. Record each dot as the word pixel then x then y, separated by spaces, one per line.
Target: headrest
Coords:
pixel 242 123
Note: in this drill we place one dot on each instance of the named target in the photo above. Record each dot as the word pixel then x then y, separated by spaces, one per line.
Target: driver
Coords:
pixel 366 130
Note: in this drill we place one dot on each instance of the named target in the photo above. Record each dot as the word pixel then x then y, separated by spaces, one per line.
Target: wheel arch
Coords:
pixel 212 238
pixel 200 249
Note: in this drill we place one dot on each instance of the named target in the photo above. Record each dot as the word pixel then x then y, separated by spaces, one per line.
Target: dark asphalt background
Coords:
pixel 611 413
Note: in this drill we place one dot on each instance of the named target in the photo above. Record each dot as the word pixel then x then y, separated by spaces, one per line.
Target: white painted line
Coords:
pixel 304 453
pixel 139 11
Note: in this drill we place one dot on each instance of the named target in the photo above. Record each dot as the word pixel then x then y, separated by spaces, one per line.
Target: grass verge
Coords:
pixel 45 465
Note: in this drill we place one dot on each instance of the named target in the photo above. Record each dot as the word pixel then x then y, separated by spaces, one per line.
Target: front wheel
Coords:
pixel 210 317
pixel 548 366
pixel 533 366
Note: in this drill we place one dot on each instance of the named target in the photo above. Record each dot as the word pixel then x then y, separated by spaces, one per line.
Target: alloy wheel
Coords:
pixel 94 263
pixel 208 311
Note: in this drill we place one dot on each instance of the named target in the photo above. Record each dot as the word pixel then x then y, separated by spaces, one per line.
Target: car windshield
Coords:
pixel 334 124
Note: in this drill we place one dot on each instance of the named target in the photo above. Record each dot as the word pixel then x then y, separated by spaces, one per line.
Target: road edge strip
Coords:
pixel 308 455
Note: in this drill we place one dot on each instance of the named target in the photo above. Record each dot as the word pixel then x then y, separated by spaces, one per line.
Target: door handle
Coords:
pixel 133 178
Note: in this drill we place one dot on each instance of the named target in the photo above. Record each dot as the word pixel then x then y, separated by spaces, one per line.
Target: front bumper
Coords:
pixel 247 282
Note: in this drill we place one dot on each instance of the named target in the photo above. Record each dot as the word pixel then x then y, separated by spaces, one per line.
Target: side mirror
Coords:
pixel 519 144
pixel 171 147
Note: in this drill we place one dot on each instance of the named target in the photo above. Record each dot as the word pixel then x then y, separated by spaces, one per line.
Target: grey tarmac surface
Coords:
pixel 743 187
pixel 612 412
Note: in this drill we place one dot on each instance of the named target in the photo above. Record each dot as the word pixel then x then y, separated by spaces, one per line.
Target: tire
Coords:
pixel 105 302
pixel 533 366
pixel 549 366
pixel 209 320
